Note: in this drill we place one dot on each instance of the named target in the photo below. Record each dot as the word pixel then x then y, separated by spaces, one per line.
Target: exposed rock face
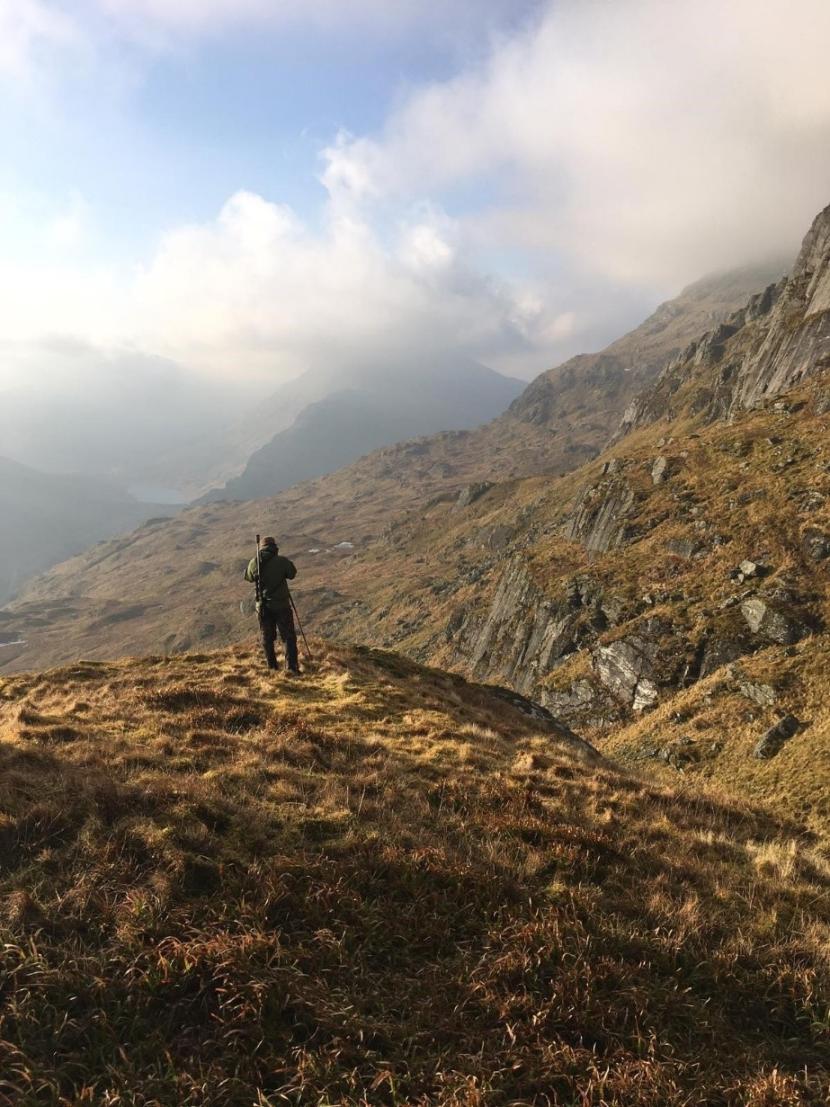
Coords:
pixel 524 633
pixel 797 342
pixel 627 669
pixel 599 519
pixel 660 469
pixel 574 702
pixel 608 380
pixel 780 337
pixel 473 492
pixel 776 736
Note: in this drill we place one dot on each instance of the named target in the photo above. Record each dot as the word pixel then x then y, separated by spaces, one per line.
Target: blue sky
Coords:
pixel 151 137
pixel 252 188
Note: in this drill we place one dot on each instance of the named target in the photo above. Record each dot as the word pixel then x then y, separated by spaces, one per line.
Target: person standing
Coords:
pixel 274 610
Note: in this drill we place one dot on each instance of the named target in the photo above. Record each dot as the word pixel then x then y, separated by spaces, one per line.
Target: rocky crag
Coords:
pixel 779 338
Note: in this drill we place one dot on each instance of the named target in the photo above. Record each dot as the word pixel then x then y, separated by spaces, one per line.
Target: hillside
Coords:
pixel 771 344
pixel 48 517
pixel 616 590
pixel 371 410
pixel 597 384
pixel 171 586
pixel 683 573
pixel 382 885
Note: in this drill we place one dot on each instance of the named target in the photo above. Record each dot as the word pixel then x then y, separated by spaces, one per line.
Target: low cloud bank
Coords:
pixel 642 141
pixel 538 203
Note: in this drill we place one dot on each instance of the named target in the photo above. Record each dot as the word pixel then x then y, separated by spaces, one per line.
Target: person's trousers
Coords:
pixel 270 623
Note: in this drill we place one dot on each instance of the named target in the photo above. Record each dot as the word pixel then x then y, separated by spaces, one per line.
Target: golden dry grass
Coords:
pixel 725 726
pixel 381 885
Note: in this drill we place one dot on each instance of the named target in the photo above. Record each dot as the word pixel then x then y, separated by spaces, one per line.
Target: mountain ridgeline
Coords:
pixel 172 585
pixel 382 407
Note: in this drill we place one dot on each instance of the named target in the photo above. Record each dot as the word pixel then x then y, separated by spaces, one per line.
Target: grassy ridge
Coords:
pixel 381 886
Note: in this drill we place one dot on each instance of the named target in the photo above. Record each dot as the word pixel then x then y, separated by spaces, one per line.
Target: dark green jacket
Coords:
pixel 276 572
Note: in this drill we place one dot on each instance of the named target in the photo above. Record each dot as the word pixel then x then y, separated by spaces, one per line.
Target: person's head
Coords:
pixel 272 542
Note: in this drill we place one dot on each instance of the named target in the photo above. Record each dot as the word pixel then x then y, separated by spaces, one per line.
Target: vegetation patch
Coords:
pixel 338 908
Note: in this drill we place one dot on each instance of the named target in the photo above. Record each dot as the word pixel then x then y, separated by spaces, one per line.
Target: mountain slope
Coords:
pixel 382 885
pixel 174 585
pixel 630 363
pixel 687 560
pixel 47 518
pixel 379 410
pixel 608 594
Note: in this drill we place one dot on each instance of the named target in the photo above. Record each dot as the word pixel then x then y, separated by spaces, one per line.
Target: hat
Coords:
pixel 269 541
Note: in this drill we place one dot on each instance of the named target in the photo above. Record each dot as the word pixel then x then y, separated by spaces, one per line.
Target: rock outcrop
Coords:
pixel 473 492
pixel 776 736
pixel 598 521
pixel 779 338
pixel 627 668
pixel 524 633
pixel 774 624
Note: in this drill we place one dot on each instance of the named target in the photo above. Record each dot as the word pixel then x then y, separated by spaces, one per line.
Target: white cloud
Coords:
pixel 28 27
pixel 67 229
pixel 625 148
pixel 256 291
pixel 648 142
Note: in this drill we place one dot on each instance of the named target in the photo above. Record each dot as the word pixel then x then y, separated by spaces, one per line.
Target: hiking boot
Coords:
pixel 293 673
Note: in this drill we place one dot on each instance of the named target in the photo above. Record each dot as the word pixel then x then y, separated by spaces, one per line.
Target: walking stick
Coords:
pixel 300 625
pixel 258 584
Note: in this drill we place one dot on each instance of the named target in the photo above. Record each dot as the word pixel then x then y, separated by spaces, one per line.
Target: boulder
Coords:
pixel 776 736
pixel 816 544
pixel 749 570
pixel 660 470
pixel 626 668
pixel 775 624
pixel 752 569
pixel 473 492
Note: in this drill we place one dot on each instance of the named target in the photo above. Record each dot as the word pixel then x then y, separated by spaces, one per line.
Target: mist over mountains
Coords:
pixel 558 421
pixel 68 407
pixel 48 517
pixel 92 452
pixel 382 406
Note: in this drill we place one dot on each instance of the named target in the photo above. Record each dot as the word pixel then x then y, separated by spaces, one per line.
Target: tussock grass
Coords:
pixel 725 726
pixel 384 886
